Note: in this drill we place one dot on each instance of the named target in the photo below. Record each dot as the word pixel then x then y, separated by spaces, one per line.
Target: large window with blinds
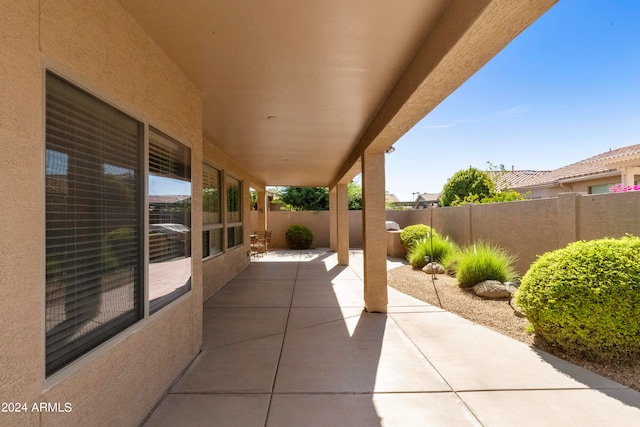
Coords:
pixel 211 211
pixel 94 222
pixel 234 212
pixel 169 220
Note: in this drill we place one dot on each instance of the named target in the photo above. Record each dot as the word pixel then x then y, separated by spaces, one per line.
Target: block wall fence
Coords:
pixel 526 229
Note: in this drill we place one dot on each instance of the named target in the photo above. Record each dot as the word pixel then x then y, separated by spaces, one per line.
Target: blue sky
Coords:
pixel 566 89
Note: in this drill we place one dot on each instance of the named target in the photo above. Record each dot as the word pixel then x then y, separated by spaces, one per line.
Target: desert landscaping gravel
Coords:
pixel 443 291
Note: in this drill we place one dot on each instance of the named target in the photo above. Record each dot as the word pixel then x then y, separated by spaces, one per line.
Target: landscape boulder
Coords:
pixel 434 268
pixel 492 289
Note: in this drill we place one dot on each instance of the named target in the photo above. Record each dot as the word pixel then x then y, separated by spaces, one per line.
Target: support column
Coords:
pixel 343 223
pixel 262 210
pixel 333 219
pixel 374 233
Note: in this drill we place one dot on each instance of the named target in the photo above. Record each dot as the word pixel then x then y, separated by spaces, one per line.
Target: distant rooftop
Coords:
pixel 596 165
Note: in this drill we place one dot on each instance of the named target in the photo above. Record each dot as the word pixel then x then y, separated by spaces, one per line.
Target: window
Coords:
pixel 234 212
pixel 600 189
pixel 93 228
pixel 211 211
pixel 169 220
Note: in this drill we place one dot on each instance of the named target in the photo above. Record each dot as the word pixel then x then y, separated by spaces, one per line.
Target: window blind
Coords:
pixel 169 220
pixel 93 222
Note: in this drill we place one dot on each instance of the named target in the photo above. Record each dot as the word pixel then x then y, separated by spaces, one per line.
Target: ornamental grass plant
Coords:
pixel 436 247
pixel 483 261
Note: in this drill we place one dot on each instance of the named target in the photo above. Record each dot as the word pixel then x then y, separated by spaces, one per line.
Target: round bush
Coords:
pixel 299 237
pixel 481 262
pixel 585 298
pixel 435 248
pixel 411 234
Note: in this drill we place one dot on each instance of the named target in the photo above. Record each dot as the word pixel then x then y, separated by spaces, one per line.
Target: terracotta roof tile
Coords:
pixel 592 166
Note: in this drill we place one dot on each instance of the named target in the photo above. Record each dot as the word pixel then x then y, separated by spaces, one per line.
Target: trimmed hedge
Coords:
pixel 299 237
pixel 585 298
pixel 411 234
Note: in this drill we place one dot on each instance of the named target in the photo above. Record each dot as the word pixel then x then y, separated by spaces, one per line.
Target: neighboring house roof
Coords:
pixel 599 165
pixel 428 197
pixel 57 184
pixel 391 198
pixel 619 155
pixel 162 200
pixel 514 178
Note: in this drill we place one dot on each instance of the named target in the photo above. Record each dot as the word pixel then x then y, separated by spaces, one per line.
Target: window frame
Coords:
pixel 213 226
pixel 75 118
pixel 233 226
pixel 180 161
pixel 50 379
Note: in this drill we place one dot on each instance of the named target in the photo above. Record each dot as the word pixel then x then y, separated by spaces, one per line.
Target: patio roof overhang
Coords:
pixel 296 92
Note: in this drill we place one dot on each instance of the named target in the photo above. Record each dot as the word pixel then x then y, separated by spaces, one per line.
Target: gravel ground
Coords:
pixel 499 316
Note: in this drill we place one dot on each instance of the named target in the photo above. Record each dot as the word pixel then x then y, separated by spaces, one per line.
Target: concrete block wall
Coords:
pixel 525 229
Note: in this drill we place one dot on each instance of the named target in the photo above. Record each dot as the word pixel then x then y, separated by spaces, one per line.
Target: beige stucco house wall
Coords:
pixel 582 186
pixel 96 45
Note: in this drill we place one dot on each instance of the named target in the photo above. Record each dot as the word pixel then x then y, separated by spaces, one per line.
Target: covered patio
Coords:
pixel 287 343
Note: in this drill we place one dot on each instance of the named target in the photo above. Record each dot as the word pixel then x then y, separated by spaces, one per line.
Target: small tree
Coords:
pixel 354 195
pixel 306 198
pixel 475 186
pixel 466 183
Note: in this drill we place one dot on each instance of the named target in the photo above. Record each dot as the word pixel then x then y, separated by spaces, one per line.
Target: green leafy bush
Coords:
pixel 483 261
pixel 435 248
pixel 585 298
pixel 465 183
pixel 299 237
pixel 411 234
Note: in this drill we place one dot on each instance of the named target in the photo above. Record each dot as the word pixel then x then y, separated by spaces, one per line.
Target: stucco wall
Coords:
pixel 576 187
pixel 21 203
pixel 526 229
pixel 317 221
pixel 95 44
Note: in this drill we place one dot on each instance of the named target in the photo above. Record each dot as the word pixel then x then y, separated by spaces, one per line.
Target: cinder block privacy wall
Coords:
pixel 526 229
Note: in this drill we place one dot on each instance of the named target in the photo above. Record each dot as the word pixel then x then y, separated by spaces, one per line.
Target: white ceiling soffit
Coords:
pixel 295 90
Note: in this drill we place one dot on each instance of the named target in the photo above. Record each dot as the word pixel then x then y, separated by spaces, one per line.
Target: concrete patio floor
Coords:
pixel 286 343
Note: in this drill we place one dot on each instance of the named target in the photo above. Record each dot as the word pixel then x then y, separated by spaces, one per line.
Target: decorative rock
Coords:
pixel 434 268
pixel 491 289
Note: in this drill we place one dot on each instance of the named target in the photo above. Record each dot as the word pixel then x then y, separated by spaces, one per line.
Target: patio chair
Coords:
pixel 263 240
pixel 258 248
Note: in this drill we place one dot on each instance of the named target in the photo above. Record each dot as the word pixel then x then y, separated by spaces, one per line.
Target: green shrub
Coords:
pixel 481 262
pixel 411 234
pixel 585 298
pixel 299 237
pixel 465 183
pixel 435 248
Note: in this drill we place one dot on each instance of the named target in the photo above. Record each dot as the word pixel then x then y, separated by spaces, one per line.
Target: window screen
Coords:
pixel 169 220
pixel 93 222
